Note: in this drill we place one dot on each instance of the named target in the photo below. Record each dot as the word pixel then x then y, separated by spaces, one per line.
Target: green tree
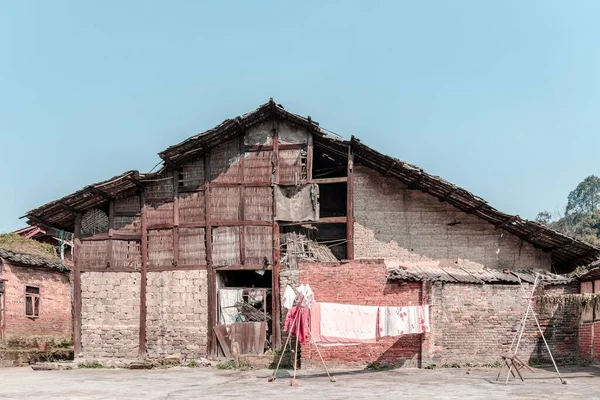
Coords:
pixel 585 198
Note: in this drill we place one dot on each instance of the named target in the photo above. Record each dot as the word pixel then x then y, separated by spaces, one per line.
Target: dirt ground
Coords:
pixel 184 383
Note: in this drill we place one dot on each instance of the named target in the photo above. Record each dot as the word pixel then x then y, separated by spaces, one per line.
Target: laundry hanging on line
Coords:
pixel 334 323
pixel 397 321
pixel 297 323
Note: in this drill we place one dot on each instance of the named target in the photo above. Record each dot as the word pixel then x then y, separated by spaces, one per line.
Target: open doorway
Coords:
pixel 245 296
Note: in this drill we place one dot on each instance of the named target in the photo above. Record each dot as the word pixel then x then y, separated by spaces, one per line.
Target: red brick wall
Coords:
pixel 54 321
pixel 589 341
pixel 363 282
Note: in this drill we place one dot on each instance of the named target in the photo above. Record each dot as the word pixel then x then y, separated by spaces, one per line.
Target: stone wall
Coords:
pixel 110 315
pixel 363 283
pixel 54 322
pixel 177 314
pixel 477 323
pixel 410 227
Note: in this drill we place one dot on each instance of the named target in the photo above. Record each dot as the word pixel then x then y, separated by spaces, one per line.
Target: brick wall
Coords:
pixel 363 283
pixel 477 323
pixel 589 341
pixel 110 315
pixel 411 227
pixel 177 314
pixel 54 321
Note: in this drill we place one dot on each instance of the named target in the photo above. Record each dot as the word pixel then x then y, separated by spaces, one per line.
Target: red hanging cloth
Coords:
pixel 297 322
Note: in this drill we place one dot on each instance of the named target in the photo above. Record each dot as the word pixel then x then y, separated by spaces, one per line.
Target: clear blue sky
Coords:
pixel 499 97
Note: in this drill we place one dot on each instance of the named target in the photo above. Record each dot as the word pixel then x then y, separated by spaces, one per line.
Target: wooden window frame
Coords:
pixel 31 297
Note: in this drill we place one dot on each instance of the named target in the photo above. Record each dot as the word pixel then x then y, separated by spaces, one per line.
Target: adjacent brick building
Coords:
pixel 35 300
pixel 269 199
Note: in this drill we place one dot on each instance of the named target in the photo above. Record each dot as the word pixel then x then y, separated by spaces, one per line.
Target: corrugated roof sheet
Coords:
pixel 477 276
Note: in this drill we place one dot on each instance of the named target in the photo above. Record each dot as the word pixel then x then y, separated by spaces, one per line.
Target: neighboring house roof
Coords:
pixel 31 260
pixel 469 275
pixel 565 251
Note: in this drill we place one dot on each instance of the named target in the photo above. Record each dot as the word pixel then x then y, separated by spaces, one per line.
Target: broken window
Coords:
pixel 32 301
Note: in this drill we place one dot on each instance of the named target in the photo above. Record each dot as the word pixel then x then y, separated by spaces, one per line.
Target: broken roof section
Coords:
pixel 566 252
pixel 479 276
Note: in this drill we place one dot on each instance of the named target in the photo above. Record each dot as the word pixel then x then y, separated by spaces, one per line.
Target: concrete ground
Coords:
pixel 184 383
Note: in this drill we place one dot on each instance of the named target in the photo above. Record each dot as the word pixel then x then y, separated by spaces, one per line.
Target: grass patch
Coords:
pixel 231 364
pixel 377 366
pixel 92 365
pixel 19 244
pixel 286 363
pixel 193 364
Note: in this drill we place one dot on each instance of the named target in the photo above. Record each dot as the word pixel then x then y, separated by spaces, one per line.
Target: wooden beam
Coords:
pixel 415 184
pixel 247 267
pixel 275 298
pixel 175 217
pixel 111 224
pixel 475 208
pixel 390 168
pixel 309 153
pixel 326 220
pixel 77 287
pixel 143 277
pixel 507 221
pixel 100 193
pixel 211 275
pixel 534 233
pixel 116 236
pixel 68 207
pixel 579 260
pixel 447 195
pixel 136 182
pixel 350 205
pixel 321 181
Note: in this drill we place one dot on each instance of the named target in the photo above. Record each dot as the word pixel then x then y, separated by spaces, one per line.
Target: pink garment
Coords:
pixel 297 323
pixel 396 321
pixel 343 323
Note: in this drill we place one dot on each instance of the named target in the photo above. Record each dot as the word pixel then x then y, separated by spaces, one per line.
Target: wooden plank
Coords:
pixel 350 206
pixel 100 193
pixel 326 220
pixel 261 147
pixel 236 184
pixel 77 287
pixel 107 269
pixel 321 181
pixel 143 278
pixel 275 298
pixel 211 276
pixel 220 331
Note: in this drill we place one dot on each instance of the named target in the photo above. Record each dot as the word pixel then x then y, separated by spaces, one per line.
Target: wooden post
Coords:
pixel 309 156
pixel 175 217
pixel 111 225
pixel 143 277
pixel 350 206
pixel 211 345
pixel 77 287
pixel 276 301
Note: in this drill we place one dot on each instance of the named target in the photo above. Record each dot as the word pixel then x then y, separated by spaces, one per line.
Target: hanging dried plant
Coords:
pixel 583 302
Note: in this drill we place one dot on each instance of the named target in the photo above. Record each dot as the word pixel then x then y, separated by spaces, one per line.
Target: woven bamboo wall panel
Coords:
pixel 128 205
pixel 191 174
pixel 160 188
pixel 127 254
pixel 258 204
pixel 224 203
pixel 159 213
pixel 192 246
pixel 258 243
pixel 160 247
pixel 226 246
pixel 92 254
pixel 128 225
pixel 224 162
pixel 191 207
pixel 292 166
pixel 258 166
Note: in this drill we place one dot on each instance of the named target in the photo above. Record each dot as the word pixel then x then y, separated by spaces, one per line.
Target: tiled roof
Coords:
pixel 31 260
pixel 478 276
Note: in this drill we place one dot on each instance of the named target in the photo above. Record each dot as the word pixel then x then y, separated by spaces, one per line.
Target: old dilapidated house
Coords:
pixel 268 199
pixel 35 303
